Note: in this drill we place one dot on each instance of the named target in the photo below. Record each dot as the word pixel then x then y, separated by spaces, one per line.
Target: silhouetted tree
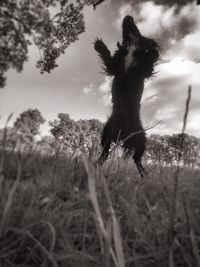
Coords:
pixel 52 25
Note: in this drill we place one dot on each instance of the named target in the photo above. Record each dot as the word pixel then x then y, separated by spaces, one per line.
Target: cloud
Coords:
pixel 161 22
pixel 171 2
pixel 106 85
pixel 193 123
pixel 169 91
pixel 187 48
pixel 88 89
pixel 167 3
pixel 125 9
pixel 105 90
pixel 180 69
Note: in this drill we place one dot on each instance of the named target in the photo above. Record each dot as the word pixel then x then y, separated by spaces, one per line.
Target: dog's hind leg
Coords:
pixel 136 149
pixel 104 153
pixel 106 140
pixel 137 157
pixel 141 169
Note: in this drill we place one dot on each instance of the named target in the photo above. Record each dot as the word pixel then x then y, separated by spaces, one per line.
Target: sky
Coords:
pixel 80 88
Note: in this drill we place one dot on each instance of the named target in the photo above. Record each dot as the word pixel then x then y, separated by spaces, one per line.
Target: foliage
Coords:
pixel 51 24
pixel 27 125
pixel 70 134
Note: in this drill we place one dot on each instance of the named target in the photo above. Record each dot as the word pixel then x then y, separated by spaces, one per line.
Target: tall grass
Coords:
pixel 63 211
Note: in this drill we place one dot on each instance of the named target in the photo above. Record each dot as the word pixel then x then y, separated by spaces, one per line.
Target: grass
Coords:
pixel 63 212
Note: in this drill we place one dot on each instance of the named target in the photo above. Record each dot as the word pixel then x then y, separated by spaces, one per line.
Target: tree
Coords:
pixel 27 125
pixel 66 132
pixel 91 131
pixel 70 134
pixel 45 145
pixel 185 148
pixel 51 24
pixel 158 151
pixel 173 149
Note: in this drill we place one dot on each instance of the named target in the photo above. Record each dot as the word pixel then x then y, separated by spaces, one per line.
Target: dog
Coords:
pixel 132 63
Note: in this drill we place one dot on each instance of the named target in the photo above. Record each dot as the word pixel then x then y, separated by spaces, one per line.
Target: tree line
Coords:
pixel 68 136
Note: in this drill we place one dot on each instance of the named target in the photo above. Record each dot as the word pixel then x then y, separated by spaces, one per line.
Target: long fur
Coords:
pixel 131 64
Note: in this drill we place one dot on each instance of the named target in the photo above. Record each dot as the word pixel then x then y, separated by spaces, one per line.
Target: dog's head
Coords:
pixel 129 30
pixel 142 52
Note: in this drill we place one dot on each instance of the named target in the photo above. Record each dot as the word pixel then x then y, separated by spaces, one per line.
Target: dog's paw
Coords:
pixel 99 45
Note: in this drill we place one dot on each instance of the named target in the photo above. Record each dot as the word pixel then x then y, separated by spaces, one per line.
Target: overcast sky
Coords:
pixel 78 86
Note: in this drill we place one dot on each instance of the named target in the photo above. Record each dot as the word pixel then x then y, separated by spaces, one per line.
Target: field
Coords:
pixel 61 211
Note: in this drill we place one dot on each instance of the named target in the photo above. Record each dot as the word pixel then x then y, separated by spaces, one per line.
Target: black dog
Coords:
pixel 131 64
